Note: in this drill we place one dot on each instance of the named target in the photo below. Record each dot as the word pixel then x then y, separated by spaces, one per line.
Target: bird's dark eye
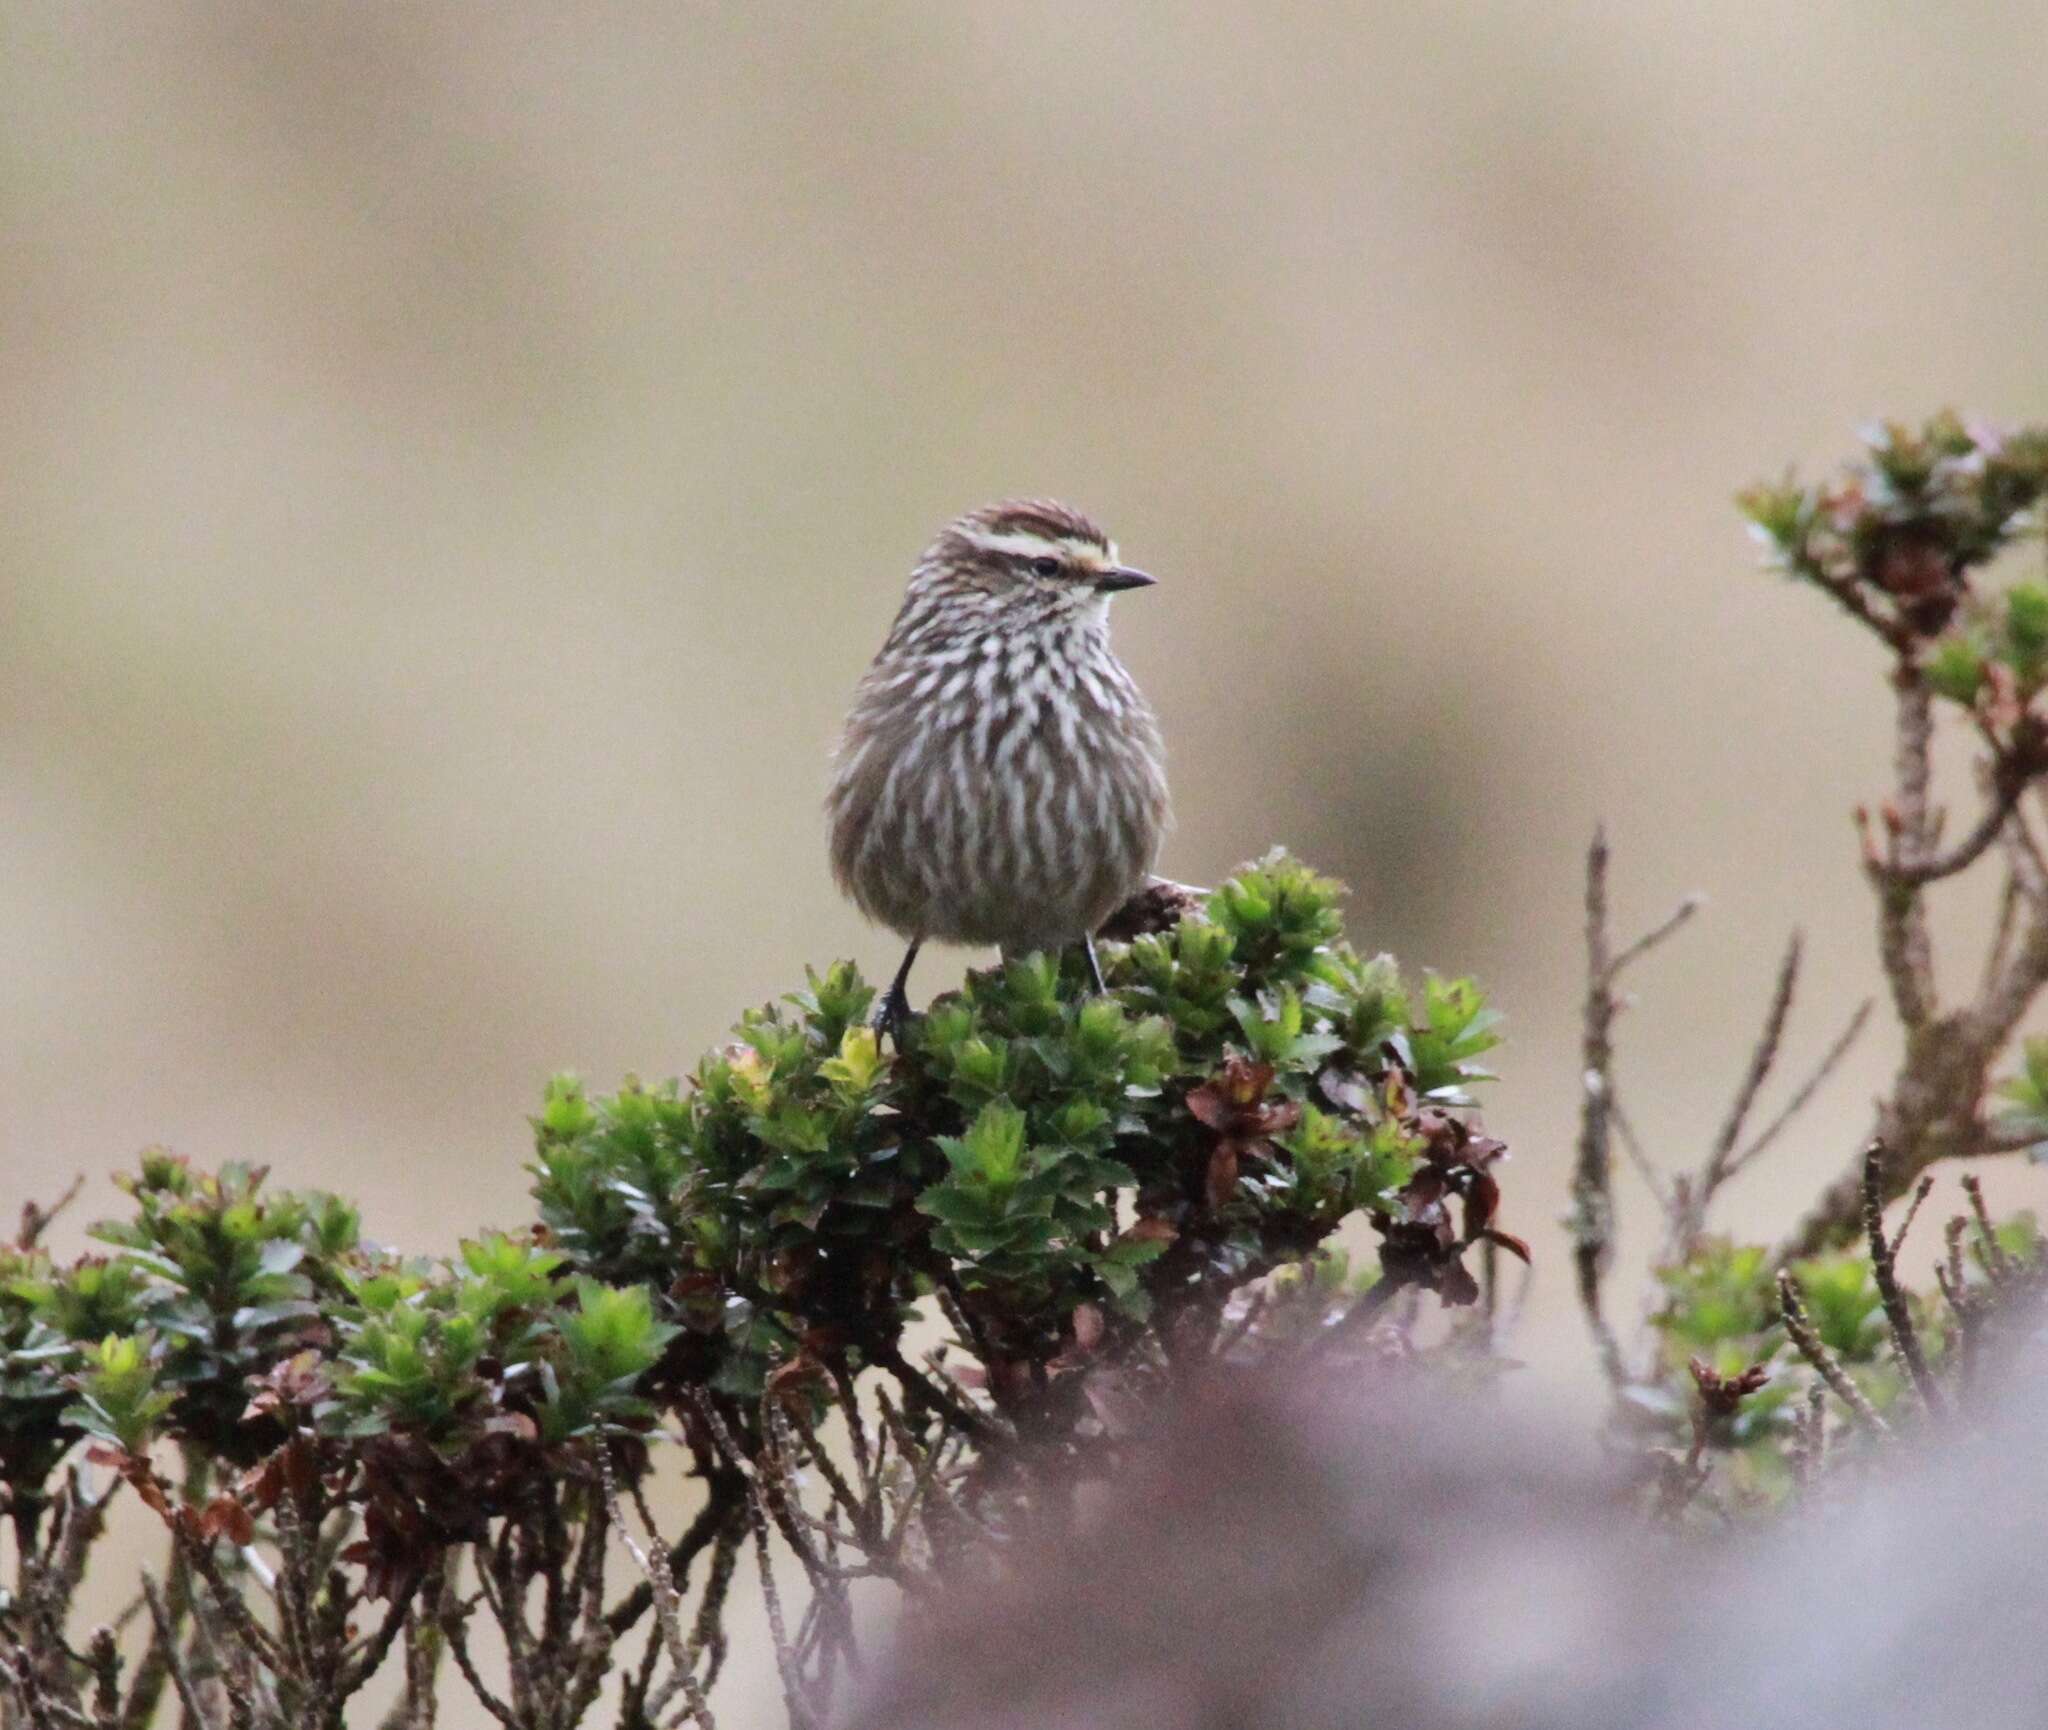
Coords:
pixel 1045 567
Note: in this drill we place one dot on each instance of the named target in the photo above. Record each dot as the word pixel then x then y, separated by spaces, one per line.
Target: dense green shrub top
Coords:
pixel 1079 1179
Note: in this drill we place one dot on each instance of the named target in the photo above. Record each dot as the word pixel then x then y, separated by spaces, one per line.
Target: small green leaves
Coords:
pixel 1996 656
pixel 1118 1265
pixel 854 1072
pixel 229 1277
pixel 2026 1095
pixel 412 1367
pixel 1896 538
pixel 2024 638
pixel 1456 1027
pixel 119 1401
pixel 834 1002
pixel 1017 1215
pixel 1246 1012
pixel 609 1340
pixel 87 1301
pixel 990 1156
pixel 1338 1166
pixel 1842 1299
pixel 1955 667
pixel 506 1273
pixel 1060 1163
pixel 1723 1296
pixel 611 1334
pixel 1275 1030
pixel 448 1358
pixel 1279 916
pixel 608 1174
pixel 1779 515
pixel 1721 1321
pixel 565 1110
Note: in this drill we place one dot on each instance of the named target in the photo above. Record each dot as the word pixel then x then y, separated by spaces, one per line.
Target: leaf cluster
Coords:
pixel 1720 1317
pixel 232 1282
pixel 1897 535
pixel 1039 1156
pixel 1082 1182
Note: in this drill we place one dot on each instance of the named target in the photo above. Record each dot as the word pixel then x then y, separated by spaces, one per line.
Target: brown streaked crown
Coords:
pixel 1043 517
pixel 1016 525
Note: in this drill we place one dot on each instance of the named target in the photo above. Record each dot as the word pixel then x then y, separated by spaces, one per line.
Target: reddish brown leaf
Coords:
pixel 225 1517
pixel 1511 1243
pixel 1246 1082
pixel 1150 1229
pixel 301 1467
pixel 262 1484
pixel 791 1383
pixel 1221 1183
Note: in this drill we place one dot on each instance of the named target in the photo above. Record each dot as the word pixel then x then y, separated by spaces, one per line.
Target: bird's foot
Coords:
pixel 892 1016
pixel 1094 967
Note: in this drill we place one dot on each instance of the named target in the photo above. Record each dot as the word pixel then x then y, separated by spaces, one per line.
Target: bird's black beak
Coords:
pixel 1122 577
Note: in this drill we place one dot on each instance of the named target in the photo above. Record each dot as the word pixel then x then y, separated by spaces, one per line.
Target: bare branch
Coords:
pixel 1999 1010
pixel 1996 1264
pixel 1625 1130
pixel 1714 1172
pixel 1803 1095
pixel 2029 864
pixel 1650 939
pixel 1903 941
pixel 1995 1138
pixel 2009 898
pixel 181 1678
pixel 794 1695
pixel 1905 1336
pixel 35 1219
pixel 455 1629
pixel 1591 1222
pixel 1848 594
pixel 1799 1325
pixel 1920 1195
pixel 652 1559
pixel 727 1490
pixel 1809 1452
pixel 2008 785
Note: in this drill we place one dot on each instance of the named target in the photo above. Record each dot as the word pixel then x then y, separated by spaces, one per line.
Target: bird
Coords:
pixel 1000 779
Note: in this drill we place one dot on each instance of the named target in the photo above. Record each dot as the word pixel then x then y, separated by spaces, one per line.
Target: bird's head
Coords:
pixel 1028 556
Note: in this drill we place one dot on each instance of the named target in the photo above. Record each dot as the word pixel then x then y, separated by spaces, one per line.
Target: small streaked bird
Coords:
pixel 1000 779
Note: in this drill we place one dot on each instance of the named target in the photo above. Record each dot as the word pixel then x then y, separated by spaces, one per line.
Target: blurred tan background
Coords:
pixel 455 461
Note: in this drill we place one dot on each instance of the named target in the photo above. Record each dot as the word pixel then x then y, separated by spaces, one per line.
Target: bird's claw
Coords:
pixel 891 1016
pixel 1094 966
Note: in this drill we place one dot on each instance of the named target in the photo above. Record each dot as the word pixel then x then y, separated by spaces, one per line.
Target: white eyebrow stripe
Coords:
pixel 1019 541
pixel 1029 546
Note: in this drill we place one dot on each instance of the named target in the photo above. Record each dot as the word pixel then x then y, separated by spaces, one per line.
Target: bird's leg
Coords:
pixel 894 1009
pixel 1094 966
